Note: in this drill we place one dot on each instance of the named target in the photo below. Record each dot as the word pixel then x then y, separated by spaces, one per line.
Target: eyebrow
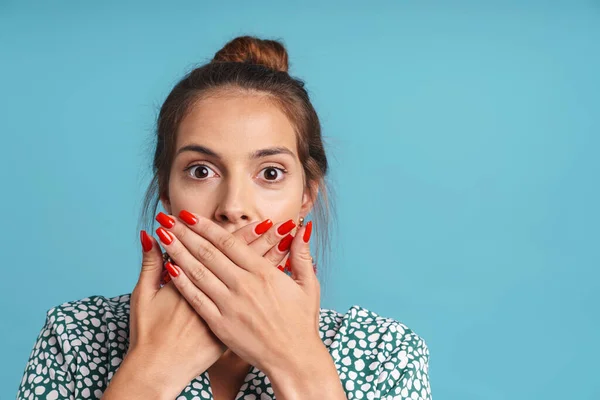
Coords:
pixel 270 151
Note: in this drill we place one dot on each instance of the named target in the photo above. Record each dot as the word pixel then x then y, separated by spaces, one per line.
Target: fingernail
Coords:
pixel 286 227
pixel 279 267
pixel 164 235
pixel 263 226
pixel 307 232
pixel 172 269
pixel 285 243
pixel 188 217
pixel 146 242
pixel 165 220
pixel 165 277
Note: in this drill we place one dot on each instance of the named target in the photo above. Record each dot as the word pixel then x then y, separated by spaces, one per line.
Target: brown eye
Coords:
pixel 273 174
pixel 200 171
pixel 270 174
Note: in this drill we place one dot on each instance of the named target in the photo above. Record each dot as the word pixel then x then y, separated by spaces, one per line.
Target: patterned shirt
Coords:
pixel 83 342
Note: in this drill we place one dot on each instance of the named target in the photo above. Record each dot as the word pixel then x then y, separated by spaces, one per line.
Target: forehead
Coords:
pixel 235 125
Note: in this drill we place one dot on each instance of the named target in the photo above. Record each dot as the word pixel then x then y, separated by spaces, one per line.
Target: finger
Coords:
pixel 152 265
pixel 218 249
pixel 195 244
pixel 199 301
pixel 300 258
pixel 249 233
pixel 272 237
pixel 278 253
pixel 197 273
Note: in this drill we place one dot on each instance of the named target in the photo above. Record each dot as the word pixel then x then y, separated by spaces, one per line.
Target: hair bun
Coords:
pixel 270 53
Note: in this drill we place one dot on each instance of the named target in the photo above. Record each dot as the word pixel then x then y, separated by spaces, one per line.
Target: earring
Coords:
pixel 165 277
pixel 301 222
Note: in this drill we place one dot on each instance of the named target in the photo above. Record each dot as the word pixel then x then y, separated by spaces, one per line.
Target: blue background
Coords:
pixel 463 139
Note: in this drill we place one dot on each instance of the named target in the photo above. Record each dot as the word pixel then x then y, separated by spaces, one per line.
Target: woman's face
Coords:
pixel 236 162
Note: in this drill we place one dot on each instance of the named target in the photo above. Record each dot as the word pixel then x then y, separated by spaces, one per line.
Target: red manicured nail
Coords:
pixel 164 235
pixel 188 217
pixel 165 220
pixel 165 277
pixel 146 242
pixel 285 243
pixel 307 232
pixel 279 267
pixel 286 227
pixel 263 226
pixel 172 269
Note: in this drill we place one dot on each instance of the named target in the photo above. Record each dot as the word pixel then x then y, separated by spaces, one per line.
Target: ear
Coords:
pixel 309 197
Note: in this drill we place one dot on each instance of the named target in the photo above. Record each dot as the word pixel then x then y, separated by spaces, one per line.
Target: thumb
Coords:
pixel 152 264
pixel 301 262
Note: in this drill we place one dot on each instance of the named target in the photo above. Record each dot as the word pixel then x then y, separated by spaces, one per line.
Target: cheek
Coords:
pixel 191 198
pixel 279 205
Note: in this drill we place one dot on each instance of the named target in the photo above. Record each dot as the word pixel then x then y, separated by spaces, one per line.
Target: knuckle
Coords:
pixel 263 275
pixel 248 319
pixel 242 234
pixel 227 242
pixel 305 256
pixel 197 274
pixel 203 227
pixel 176 253
pixel 205 253
pixel 180 233
pixel 197 301
pixel 272 258
pixel 272 239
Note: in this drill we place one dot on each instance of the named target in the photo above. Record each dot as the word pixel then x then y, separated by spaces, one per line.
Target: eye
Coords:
pixel 273 174
pixel 200 171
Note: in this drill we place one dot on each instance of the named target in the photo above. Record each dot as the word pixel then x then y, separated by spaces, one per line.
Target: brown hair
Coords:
pixel 247 65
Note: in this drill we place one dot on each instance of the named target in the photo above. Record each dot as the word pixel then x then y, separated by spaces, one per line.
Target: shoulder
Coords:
pixel 78 349
pixel 103 317
pixel 92 311
pixel 91 332
pixel 373 352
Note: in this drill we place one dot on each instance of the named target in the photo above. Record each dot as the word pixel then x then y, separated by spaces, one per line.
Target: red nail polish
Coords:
pixel 188 217
pixel 165 220
pixel 285 243
pixel 279 267
pixel 146 242
pixel 307 232
pixel 172 269
pixel 286 227
pixel 166 278
pixel 164 235
pixel 263 226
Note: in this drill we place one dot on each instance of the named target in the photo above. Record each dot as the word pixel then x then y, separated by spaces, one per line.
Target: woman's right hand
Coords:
pixel 169 343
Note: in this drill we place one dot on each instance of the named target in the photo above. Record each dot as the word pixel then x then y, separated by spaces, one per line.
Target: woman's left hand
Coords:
pixel 264 316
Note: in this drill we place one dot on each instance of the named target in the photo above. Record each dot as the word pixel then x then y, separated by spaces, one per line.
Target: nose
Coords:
pixel 233 207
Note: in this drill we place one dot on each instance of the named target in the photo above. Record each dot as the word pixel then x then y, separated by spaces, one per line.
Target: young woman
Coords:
pixel 239 164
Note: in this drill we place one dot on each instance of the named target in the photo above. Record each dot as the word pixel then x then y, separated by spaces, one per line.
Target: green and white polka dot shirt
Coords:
pixel 83 342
